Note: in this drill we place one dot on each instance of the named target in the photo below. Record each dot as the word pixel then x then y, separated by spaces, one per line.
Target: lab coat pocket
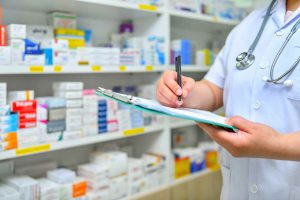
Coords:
pixel 226 174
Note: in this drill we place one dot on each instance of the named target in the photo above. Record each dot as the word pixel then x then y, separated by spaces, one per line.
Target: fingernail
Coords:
pixel 179 92
pixel 179 103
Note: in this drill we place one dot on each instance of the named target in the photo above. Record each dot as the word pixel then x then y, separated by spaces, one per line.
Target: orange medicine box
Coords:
pixel 8 145
pixel 79 187
pixel 7 137
pixel 182 167
pixel 211 159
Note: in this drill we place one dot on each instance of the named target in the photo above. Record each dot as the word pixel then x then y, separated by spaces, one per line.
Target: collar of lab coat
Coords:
pixel 278 14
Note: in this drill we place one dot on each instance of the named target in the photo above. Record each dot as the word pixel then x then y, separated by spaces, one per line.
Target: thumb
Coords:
pixel 240 123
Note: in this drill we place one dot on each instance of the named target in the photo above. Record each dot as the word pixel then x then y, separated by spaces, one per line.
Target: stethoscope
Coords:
pixel 246 59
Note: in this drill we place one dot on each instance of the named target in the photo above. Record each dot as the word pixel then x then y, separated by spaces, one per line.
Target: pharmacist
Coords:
pixel 260 91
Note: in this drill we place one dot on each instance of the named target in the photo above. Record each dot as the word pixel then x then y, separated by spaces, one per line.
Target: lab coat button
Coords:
pixel 263 64
pixel 280 33
pixel 256 105
pixel 254 189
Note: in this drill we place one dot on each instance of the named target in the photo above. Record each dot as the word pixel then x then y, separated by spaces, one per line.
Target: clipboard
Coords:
pixel 155 108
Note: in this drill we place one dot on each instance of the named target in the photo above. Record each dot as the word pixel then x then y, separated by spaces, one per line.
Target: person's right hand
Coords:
pixel 167 90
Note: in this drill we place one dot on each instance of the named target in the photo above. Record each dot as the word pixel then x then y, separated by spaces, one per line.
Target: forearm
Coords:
pixel 288 147
pixel 204 96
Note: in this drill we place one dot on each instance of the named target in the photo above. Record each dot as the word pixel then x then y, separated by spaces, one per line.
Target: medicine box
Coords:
pixel 62 20
pixel 61 176
pixel 73 103
pixel 67 86
pixel 52 102
pixel 17 49
pixel 28 187
pixel 16 31
pixel 21 95
pixel 8 193
pixel 39 33
pixel 68 94
pixel 5 55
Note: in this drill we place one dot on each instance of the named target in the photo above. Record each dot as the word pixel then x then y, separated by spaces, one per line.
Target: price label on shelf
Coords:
pixel 96 68
pixel 149 68
pixel 215 19
pixel 134 131
pixel 57 68
pixel 122 68
pixel 36 69
pixel 147 7
pixel 33 149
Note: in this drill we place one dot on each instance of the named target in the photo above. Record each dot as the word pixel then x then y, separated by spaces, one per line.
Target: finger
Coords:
pixel 188 85
pixel 168 94
pixel 170 82
pixel 165 101
pixel 241 123
pixel 221 136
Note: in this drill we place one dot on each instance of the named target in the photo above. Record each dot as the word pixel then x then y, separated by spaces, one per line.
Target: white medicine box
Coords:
pixel 16 31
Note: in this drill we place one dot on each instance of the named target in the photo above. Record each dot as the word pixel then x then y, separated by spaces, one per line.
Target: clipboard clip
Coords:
pixel 121 97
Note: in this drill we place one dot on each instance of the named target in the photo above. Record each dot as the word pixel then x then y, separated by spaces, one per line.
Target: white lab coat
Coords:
pixel 246 95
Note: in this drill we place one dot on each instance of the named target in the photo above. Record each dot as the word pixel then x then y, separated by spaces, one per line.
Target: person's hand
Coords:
pixel 167 90
pixel 252 140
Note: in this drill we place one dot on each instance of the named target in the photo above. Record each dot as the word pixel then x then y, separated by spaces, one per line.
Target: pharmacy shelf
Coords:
pixel 43 148
pixel 181 123
pixel 107 9
pixel 173 183
pixel 191 177
pixel 125 5
pixel 85 69
pixel 201 17
pixel 192 68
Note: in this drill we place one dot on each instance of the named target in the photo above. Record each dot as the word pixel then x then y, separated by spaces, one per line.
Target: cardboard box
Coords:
pixel 55 114
pixel 38 33
pixel 24 95
pixel 67 86
pixel 5 55
pixel 16 31
pixel 74 103
pixel 62 20
pixel 17 49
pixel 68 94
pixel 24 106
pixel 3 36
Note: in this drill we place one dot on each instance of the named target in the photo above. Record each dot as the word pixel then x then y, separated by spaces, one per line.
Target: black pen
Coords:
pixel 178 70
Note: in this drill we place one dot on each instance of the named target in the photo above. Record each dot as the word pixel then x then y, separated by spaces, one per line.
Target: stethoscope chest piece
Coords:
pixel 244 60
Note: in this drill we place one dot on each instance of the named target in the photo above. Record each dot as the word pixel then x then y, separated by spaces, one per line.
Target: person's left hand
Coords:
pixel 252 140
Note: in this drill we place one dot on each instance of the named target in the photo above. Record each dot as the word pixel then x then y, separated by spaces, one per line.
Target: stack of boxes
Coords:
pixel 181 48
pixel 24 104
pixel 26 186
pixel 8 193
pixel 74 37
pixel 97 179
pixel 16 33
pixel 72 92
pixel 98 56
pixel 154 168
pixel 51 118
pixel 70 186
pixel 90 113
pixel 8 122
pixel 49 190
pixel 136 176
pixel 112 115
pixel 117 168
pixel 102 115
